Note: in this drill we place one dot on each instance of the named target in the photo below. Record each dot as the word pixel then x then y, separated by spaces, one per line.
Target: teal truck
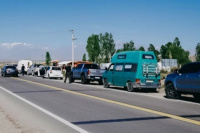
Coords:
pixel 133 70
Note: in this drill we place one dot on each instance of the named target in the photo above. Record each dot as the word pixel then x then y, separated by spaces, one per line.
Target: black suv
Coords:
pixel 9 70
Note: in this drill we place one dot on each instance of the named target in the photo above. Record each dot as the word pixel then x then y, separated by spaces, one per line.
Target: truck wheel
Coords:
pixel 83 79
pixel 129 86
pixel 71 78
pixel 171 92
pixel 105 84
pixel 197 97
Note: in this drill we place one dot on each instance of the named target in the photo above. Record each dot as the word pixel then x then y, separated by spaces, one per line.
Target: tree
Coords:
pixel 141 48
pixel 152 48
pixel 128 46
pixel 107 47
pixel 173 50
pixel 197 53
pixel 84 57
pixel 48 58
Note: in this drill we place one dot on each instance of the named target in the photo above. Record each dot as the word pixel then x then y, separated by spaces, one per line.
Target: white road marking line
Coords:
pixel 47 112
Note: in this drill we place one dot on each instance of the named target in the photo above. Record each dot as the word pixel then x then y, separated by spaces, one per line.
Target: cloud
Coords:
pixel 18 51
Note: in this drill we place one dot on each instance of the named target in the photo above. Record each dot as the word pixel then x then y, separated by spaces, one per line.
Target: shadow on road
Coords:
pixel 131 119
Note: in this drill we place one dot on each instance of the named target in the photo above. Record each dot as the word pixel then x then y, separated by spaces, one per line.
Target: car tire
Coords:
pixel 83 79
pixel 197 97
pixel 49 76
pixel 171 92
pixel 100 82
pixel 129 86
pixel 105 84
pixel 61 78
pixel 71 79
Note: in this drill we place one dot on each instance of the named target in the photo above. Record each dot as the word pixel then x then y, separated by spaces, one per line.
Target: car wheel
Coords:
pixel 171 92
pixel 49 76
pixel 71 79
pixel 61 78
pixel 129 86
pixel 105 84
pixel 100 82
pixel 83 79
pixel 197 96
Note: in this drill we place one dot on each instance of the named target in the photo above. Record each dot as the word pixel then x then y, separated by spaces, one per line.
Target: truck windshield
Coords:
pixel 91 66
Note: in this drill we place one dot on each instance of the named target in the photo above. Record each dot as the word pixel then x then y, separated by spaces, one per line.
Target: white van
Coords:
pixel 27 64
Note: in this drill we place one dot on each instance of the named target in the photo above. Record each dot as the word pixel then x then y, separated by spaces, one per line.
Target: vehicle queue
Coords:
pixel 132 70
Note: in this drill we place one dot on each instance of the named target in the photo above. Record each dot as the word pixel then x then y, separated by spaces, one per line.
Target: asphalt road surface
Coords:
pixel 92 108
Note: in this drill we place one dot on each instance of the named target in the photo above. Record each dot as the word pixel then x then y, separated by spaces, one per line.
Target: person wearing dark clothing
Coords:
pixel 68 70
pixel 23 69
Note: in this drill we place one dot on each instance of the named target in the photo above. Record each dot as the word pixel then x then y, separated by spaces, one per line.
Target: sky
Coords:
pixel 29 28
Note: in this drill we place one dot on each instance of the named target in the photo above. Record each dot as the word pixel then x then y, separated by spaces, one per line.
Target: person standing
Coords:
pixel 68 70
pixel 23 69
pixel 64 71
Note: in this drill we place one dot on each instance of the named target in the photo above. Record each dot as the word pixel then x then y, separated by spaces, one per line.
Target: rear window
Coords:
pixel 121 57
pixel 56 68
pixel 147 56
pixel 13 67
pixel 91 66
pixel 130 67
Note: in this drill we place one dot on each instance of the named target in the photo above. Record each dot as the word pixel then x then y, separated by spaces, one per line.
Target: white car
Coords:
pixel 53 72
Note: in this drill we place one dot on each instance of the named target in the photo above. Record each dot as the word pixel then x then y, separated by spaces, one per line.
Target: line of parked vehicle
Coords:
pixel 132 70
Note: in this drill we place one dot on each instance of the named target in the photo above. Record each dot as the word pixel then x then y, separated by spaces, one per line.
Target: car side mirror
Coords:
pixel 176 71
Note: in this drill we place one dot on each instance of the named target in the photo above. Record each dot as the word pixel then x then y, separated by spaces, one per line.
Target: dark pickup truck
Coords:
pixel 87 73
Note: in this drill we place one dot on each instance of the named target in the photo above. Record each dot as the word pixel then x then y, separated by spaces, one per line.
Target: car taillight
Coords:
pixel 6 70
pixel 137 81
pixel 88 72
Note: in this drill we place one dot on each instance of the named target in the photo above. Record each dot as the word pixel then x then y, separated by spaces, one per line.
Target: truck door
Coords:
pixel 194 78
pixel 77 71
pixel 109 74
pixel 182 79
pixel 118 74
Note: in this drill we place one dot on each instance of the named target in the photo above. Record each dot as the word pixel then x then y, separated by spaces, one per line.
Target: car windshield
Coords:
pixel 56 68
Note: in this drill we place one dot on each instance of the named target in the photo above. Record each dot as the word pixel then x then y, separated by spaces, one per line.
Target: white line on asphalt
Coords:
pixel 131 93
pixel 47 112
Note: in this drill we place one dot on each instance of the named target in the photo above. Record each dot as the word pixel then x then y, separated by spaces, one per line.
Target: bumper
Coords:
pixel 56 76
pixel 94 78
pixel 146 85
pixel 12 73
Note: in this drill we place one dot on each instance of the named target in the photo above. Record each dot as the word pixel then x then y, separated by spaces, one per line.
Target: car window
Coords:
pixel 56 68
pixel 186 69
pixel 130 67
pixel 111 67
pixel 91 66
pixel 119 67
pixel 79 66
pixel 147 56
pixel 13 67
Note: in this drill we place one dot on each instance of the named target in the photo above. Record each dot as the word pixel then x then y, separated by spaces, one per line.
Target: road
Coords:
pixel 92 108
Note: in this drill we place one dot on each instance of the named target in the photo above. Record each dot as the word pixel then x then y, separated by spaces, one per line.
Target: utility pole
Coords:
pixel 73 47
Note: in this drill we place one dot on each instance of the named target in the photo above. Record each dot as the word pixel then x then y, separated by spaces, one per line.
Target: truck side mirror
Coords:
pixel 106 69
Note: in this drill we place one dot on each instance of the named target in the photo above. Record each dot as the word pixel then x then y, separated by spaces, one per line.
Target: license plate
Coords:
pixel 149 81
pixel 97 77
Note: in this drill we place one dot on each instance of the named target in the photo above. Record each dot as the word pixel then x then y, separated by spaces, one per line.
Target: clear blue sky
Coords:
pixel 45 23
